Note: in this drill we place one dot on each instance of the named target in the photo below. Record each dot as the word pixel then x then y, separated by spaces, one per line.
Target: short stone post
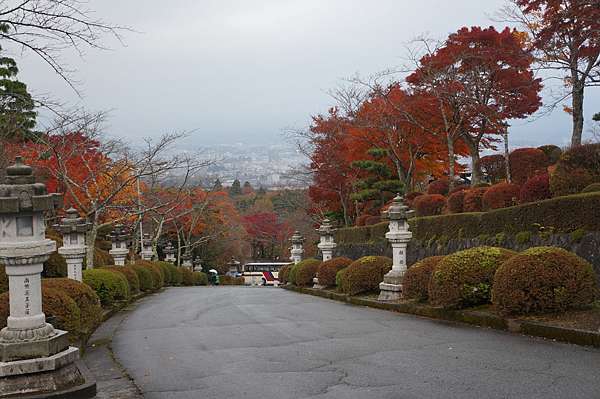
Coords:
pixel 326 245
pixel 186 260
pixel 297 241
pixel 73 229
pixel 399 236
pixel 35 358
pixel 119 238
pixel 169 252
pixel 147 252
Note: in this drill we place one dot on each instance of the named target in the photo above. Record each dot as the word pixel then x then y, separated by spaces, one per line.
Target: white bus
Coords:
pixel 262 273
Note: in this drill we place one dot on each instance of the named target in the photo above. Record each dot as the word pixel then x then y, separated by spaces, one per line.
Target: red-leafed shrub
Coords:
pixel 543 279
pixel 537 188
pixel 473 200
pixel 456 201
pixel 430 205
pixel 364 275
pixel 409 198
pixel 361 220
pixel 441 186
pixel 501 195
pixel 525 163
pixel 415 283
pixel 329 269
pixel 457 188
pixel 493 167
pixel 577 168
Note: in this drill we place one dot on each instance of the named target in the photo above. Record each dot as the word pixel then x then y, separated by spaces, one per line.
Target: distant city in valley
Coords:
pixel 267 166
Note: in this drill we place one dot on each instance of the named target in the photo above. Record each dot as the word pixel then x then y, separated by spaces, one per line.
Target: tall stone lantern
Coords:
pixel 186 260
pixel 147 250
pixel 119 238
pixel 399 236
pixel 296 251
pixel 169 252
pixel 35 358
pixel 326 245
pixel 73 229
pixel 197 264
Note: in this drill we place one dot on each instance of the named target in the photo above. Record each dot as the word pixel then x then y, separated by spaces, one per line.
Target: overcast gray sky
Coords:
pixel 242 70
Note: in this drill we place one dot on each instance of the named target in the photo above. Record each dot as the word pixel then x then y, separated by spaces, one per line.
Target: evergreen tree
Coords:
pixel 235 189
pixel 247 189
pixel 378 183
pixel 217 186
pixel 17 115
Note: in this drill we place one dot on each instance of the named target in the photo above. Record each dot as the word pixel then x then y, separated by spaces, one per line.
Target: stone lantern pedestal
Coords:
pixel 297 250
pixel 119 238
pixel 35 358
pixel 399 237
pixel 73 229
pixel 186 261
pixel 147 251
pixel 169 252
pixel 326 245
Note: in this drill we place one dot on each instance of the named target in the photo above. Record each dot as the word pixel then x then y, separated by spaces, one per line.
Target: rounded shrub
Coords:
pixel 109 286
pixel 430 204
pixel 329 269
pixel 4 309
pixel 553 153
pixel 525 163
pixel 64 311
pixel 501 195
pixel 188 277
pixel 410 198
pixel 305 271
pixel 230 280
pixel 90 310
pixel 577 168
pixel 364 274
pixel 415 283
pixel 473 199
pixel 465 278
pixel 283 274
pixel 440 186
pixel 493 167
pixel 166 271
pixel 130 274
pixel 101 258
pixel 55 266
pixel 537 188
pixel 592 188
pixel 177 273
pixel 145 277
pixel 157 273
pixel 456 201
pixel 371 220
pixel 200 278
pixel 543 279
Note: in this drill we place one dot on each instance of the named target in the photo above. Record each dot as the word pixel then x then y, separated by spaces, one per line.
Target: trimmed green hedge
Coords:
pixel 145 276
pixel 109 286
pixel 563 214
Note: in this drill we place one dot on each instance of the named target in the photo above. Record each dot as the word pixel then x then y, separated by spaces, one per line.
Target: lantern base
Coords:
pixel 391 288
pixel 14 351
pixel 316 285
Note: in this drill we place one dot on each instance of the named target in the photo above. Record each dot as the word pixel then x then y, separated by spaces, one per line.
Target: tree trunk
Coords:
pixel 90 242
pixel 475 172
pixel 451 156
pixel 577 102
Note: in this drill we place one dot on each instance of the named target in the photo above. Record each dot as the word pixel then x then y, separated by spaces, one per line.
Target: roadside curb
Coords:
pixel 472 317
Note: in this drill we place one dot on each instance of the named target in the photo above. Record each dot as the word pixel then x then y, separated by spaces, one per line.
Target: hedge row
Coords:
pixel 562 214
pixel 538 280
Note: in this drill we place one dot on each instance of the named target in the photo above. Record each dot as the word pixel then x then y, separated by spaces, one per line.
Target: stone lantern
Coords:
pixel 119 238
pixel 35 358
pixel 326 245
pixel 197 264
pixel 73 229
pixel 296 251
pixel 186 260
pixel 147 249
pixel 169 252
pixel 234 267
pixel 399 236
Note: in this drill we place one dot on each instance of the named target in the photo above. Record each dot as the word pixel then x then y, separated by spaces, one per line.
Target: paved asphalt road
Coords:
pixel 238 342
